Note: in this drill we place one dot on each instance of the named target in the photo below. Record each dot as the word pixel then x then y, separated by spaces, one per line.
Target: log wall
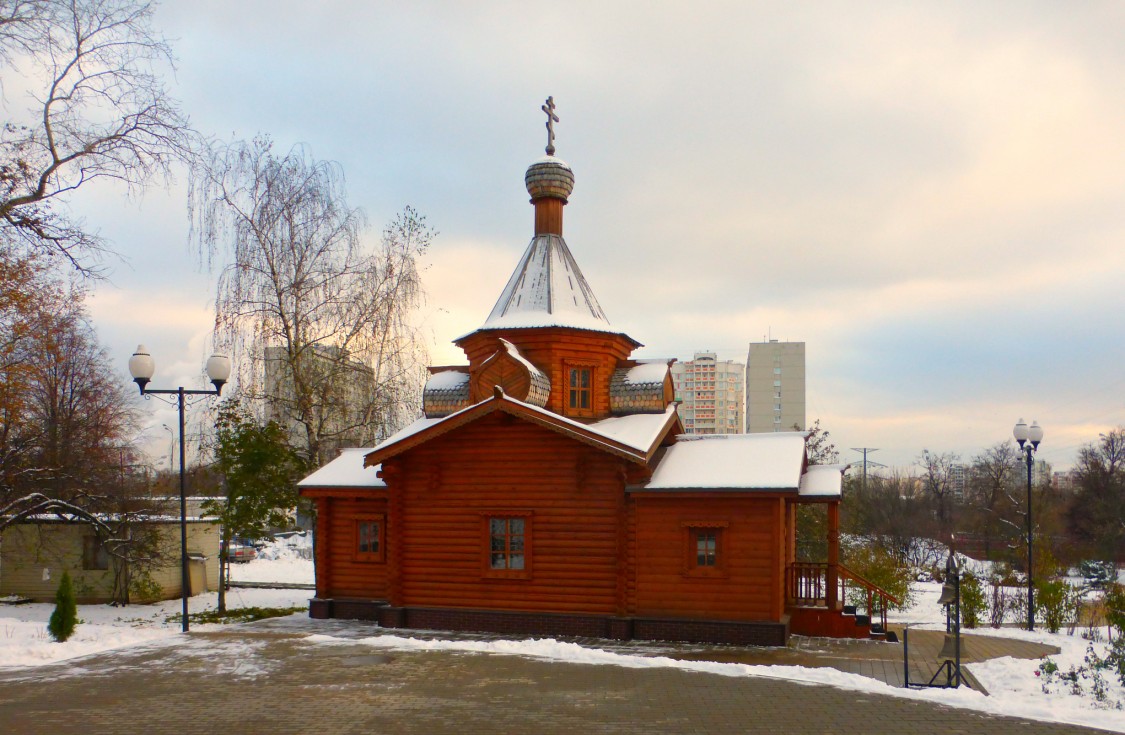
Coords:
pixel 748 585
pixel 339 573
pixel 500 466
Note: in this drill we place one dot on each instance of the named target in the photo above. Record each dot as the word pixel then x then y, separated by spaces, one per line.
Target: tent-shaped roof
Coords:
pixel 547 289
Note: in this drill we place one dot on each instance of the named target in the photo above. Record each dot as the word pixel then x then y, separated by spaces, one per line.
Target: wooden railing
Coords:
pixel 807 584
pixel 877 597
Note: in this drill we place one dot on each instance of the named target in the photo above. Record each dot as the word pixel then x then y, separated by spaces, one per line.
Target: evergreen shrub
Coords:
pixel 65 617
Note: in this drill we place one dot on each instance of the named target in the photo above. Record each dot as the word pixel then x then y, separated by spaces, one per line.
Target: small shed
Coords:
pixel 35 553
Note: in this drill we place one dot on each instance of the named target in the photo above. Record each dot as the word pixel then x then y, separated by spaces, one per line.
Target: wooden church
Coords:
pixel 549 490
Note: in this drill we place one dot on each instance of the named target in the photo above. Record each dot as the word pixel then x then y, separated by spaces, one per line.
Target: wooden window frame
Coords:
pixel 486 518
pixel 692 531
pixel 569 410
pixel 370 557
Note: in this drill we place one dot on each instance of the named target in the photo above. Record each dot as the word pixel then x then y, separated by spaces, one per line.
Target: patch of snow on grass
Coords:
pixel 24 640
pixel 287 560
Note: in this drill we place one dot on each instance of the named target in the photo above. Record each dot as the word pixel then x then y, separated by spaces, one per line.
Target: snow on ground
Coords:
pixel 24 640
pixel 281 560
pixel 1014 685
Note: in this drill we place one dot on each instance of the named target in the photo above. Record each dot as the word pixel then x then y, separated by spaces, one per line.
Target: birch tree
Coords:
pixel 316 317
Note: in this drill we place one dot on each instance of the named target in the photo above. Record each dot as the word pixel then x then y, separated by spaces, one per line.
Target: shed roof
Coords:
pixel 732 461
pixel 346 470
pixel 823 480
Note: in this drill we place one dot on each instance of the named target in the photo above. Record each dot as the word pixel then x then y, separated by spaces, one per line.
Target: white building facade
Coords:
pixel 775 387
pixel 710 392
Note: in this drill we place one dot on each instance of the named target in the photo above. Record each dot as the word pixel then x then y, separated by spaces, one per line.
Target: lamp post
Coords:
pixel 141 367
pixel 1028 439
pixel 171 446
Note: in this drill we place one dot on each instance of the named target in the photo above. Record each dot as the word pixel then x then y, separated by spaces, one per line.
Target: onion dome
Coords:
pixel 549 178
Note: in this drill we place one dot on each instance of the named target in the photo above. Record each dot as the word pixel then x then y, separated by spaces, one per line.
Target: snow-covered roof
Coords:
pixel 547 289
pixel 639 430
pixel 45 518
pixel 648 372
pixel 823 480
pixel 347 470
pixel 447 380
pixel 732 461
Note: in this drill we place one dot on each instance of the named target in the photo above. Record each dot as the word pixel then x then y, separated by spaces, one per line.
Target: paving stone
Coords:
pixel 258 679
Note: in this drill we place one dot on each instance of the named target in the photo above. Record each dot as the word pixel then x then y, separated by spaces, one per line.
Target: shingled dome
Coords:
pixel 549 177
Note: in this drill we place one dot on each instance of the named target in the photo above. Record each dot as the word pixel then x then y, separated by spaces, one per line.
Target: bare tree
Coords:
pixel 318 321
pixel 993 509
pixel 21 22
pixel 96 108
pixel 891 515
pixel 1097 512
pixel 938 483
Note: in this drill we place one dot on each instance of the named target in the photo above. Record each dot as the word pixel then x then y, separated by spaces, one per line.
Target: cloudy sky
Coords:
pixel 930 195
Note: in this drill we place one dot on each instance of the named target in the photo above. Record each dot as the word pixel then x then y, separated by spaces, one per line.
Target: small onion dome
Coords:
pixel 549 177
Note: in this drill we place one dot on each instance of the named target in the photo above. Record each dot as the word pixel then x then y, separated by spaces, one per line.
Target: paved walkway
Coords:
pixel 268 678
pixel 875 659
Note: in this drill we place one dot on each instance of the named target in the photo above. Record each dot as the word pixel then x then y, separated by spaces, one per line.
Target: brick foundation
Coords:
pixel 754 633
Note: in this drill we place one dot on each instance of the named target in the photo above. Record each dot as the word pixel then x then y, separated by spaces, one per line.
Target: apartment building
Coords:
pixel 775 386
pixel 710 394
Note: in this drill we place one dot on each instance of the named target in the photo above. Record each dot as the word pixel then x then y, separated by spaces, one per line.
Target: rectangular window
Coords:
pixel 706 547
pixel 705 555
pixel 508 546
pixel 94 555
pixel 507 543
pixel 369 545
pixel 580 390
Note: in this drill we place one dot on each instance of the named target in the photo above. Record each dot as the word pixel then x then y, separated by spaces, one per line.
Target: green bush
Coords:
pixel 65 617
pixel 882 569
pixel 1114 602
pixel 973 603
pixel 143 588
pixel 1057 603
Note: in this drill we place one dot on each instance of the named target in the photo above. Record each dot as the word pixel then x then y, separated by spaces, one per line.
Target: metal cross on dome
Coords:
pixel 552 118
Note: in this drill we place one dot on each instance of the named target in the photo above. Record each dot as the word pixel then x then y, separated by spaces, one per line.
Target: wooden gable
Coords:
pixel 566 497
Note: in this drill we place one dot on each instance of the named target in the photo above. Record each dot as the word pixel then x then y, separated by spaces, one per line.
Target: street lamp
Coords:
pixel 1028 439
pixel 171 446
pixel 141 367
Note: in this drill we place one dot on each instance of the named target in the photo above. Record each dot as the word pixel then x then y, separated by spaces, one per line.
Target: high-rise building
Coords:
pixel 710 394
pixel 341 392
pixel 775 386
